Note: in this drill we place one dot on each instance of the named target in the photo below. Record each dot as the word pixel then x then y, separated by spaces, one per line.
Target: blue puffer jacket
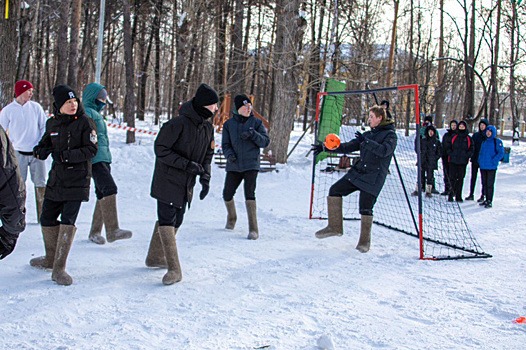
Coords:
pixel 247 151
pixel 491 151
pixel 93 108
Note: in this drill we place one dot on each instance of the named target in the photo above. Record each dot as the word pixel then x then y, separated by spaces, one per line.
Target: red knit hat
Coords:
pixel 22 86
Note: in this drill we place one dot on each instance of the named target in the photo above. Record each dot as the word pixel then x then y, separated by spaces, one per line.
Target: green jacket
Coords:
pixel 89 97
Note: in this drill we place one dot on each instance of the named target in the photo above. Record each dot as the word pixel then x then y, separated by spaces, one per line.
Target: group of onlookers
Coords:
pixel 483 149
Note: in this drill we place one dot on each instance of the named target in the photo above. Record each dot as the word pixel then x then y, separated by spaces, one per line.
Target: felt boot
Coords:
pixel 253 232
pixel 111 220
pixel 155 257
pixel 174 274
pixel 335 225
pixel 364 242
pixel 50 234
pixel 231 215
pixel 96 225
pixel 64 242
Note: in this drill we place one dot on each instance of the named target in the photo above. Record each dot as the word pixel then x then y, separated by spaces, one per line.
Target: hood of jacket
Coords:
pixel 493 130
pixel 89 96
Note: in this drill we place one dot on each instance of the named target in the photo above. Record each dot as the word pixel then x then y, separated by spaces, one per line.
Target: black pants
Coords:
pixel 168 215
pixel 457 172
pixel 344 187
pixel 67 210
pixel 429 176
pixel 104 184
pixel 445 171
pixel 474 173
pixel 488 183
pixel 233 180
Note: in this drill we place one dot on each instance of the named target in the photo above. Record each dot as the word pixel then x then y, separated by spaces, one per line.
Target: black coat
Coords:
pixel 376 152
pixel 247 152
pixel 72 142
pixel 446 143
pixel 477 138
pixel 187 137
pixel 460 148
pixel 430 149
pixel 12 191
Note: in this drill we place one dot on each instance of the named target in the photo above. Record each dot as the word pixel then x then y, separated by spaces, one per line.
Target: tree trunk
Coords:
pixel 236 74
pixel 469 70
pixel 157 73
pixel 285 87
pixel 493 103
pixel 129 99
pixel 514 44
pixel 24 47
pixel 440 92
pixel 390 64
pixel 74 44
pixel 61 44
pixel 8 28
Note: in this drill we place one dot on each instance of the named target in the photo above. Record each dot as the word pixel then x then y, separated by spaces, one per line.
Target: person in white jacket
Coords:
pixel 25 122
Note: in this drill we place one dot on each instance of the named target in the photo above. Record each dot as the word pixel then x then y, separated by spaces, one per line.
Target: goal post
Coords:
pixel 402 205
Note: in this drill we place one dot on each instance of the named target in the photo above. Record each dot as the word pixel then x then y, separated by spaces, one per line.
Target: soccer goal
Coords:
pixel 439 225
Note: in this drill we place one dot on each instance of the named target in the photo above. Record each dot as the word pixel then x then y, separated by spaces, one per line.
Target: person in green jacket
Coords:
pixel 94 99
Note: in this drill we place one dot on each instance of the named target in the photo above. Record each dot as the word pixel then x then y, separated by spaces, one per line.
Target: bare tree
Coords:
pixel 285 84
pixel 129 100
pixel 8 57
pixel 74 43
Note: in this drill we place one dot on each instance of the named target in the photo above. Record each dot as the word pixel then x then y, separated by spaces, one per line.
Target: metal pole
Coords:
pixel 100 41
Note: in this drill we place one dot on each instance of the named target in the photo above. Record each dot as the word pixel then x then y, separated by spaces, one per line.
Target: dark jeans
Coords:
pixel 104 184
pixel 344 187
pixel 233 180
pixel 67 210
pixel 445 170
pixel 168 215
pixel 488 183
pixel 474 173
pixel 457 172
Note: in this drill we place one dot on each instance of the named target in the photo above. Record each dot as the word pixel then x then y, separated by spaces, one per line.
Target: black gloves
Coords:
pixel 205 188
pixel 359 136
pixel 246 135
pixel 41 153
pixel 57 156
pixel 231 159
pixel 317 148
pixel 195 168
pixel 7 244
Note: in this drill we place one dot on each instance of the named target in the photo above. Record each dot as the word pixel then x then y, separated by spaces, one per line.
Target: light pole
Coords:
pixel 100 41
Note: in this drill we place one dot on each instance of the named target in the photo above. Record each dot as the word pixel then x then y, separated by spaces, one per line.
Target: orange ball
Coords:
pixel 332 141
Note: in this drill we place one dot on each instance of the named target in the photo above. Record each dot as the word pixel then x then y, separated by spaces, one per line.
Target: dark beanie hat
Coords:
pixel 428 118
pixel 453 121
pixel 205 96
pixel 384 103
pixel 241 100
pixel 463 123
pixel 484 121
pixel 62 93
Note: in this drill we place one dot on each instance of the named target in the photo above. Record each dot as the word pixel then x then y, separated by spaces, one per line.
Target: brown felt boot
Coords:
pixel 155 257
pixel 50 234
pixel 253 232
pixel 39 197
pixel 335 225
pixel 364 243
pixel 96 225
pixel 111 221
pixel 64 242
pixel 231 214
pixel 174 274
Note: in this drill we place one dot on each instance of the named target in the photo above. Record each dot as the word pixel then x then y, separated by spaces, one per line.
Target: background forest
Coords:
pixel 468 57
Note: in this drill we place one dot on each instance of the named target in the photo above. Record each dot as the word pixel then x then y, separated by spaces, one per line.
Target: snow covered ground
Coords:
pixel 287 290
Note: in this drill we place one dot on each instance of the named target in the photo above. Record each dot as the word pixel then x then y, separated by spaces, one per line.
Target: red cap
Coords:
pixel 22 86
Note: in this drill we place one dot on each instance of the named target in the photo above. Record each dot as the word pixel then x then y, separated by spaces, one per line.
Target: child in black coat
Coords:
pixel 430 153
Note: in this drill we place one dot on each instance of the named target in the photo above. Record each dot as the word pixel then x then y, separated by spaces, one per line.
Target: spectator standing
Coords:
pixel 459 153
pixel 24 121
pixel 478 137
pixel 446 144
pixel 491 152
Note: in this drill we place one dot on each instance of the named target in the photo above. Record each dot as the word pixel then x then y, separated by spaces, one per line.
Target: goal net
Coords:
pixel 439 225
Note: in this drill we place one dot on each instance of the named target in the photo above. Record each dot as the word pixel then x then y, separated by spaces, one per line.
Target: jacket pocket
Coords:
pixel 75 175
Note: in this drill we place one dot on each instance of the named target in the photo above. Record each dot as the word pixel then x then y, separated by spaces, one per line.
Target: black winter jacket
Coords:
pixel 12 192
pixel 247 152
pixel 187 137
pixel 446 143
pixel 460 149
pixel 477 138
pixel 376 152
pixel 430 149
pixel 72 142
